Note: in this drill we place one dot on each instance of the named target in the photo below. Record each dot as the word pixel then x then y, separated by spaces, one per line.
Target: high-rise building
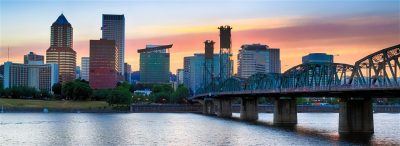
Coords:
pixel 103 64
pixel 257 58
pixel 179 76
pixel 317 58
pixel 154 64
pixel 61 49
pixel 128 71
pixel 194 70
pixel 85 62
pixel 78 72
pixel 33 58
pixel 113 28
pixel 274 60
pixel 186 71
pixel 39 76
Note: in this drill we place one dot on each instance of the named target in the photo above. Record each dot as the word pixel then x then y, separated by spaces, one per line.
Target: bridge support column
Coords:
pixel 208 107
pixel 285 111
pixel 223 108
pixel 249 109
pixel 356 116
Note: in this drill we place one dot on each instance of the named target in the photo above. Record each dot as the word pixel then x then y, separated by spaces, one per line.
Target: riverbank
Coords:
pixel 27 105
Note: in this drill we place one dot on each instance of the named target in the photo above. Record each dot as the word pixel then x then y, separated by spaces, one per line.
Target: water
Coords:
pixel 183 129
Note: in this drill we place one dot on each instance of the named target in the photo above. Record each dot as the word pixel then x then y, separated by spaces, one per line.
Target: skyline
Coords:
pixel 359 29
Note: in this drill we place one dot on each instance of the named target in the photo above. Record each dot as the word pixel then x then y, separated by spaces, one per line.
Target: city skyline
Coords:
pixel 359 29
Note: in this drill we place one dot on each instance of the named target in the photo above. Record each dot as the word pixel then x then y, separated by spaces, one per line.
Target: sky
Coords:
pixel 347 29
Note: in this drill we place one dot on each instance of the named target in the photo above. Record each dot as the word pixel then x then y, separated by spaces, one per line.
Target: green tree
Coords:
pixel 76 90
pixel 120 96
pixel 101 94
pixel 161 93
pixel 180 95
pixel 22 92
pixel 56 88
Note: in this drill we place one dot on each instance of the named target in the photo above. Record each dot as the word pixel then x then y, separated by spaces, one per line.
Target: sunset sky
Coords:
pixel 349 30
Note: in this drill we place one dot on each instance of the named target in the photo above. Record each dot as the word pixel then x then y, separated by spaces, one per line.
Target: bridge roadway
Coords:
pixel 380 92
pixel 374 76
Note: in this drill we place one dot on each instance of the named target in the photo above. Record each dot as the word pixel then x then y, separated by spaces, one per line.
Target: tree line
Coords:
pixel 121 95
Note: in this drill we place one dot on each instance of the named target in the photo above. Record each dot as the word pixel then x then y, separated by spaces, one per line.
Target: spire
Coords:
pixel 61 20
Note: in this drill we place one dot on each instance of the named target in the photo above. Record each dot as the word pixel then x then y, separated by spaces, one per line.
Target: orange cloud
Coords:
pixel 349 38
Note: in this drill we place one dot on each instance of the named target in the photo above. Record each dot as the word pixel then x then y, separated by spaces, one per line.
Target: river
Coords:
pixel 184 129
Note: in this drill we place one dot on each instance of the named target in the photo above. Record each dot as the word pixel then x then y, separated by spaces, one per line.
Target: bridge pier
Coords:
pixel 208 107
pixel 285 111
pixel 223 107
pixel 356 116
pixel 249 109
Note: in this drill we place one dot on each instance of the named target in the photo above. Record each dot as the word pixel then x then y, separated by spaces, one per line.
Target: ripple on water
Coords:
pixel 183 129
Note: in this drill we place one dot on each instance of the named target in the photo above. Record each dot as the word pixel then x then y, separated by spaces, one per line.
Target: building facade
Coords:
pixel 77 72
pixel 128 71
pixel 194 71
pixel 61 49
pixel 103 64
pixel 317 58
pixel 85 62
pixel 154 64
pixel 113 28
pixel 33 58
pixel 179 76
pixel 274 60
pixel 42 77
pixel 257 58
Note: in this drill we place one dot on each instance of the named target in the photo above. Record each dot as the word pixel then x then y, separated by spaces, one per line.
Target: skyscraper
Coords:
pixel 60 51
pixel 127 74
pixel 85 68
pixel 274 60
pixel 154 64
pixel 33 58
pixel 257 58
pixel 194 70
pixel 103 64
pixel 179 76
pixel 113 28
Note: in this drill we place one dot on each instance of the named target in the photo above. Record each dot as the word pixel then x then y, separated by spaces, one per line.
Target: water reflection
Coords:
pixel 184 129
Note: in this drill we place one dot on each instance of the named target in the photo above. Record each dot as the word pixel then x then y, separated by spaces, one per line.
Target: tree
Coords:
pixel 120 96
pixel 22 92
pixel 76 90
pixel 180 95
pixel 101 94
pixel 56 88
pixel 161 93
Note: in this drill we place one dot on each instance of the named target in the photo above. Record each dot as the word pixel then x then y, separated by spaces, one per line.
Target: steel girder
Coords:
pixel 378 69
pixel 232 84
pixel 316 75
pixel 261 81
